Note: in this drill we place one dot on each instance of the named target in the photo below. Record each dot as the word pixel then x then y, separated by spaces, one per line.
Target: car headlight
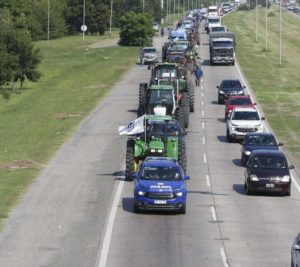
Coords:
pixel 285 178
pixel 248 153
pixel 260 128
pixel 240 92
pixel 253 177
pixel 179 194
pixel 221 92
pixel 141 193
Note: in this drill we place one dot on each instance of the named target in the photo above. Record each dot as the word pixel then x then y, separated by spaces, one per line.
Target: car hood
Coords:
pixel 160 186
pixel 229 89
pixel 246 123
pixel 251 148
pixel 265 173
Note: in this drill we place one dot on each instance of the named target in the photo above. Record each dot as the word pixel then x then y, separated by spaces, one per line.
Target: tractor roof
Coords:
pixel 154 118
pixel 161 65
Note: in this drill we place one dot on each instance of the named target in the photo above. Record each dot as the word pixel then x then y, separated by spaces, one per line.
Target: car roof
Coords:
pixel 231 80
pixel 248 109
pixel 160 161
pixel 265 152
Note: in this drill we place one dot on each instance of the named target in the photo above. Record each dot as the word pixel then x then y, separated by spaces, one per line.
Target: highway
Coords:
pixel 79 211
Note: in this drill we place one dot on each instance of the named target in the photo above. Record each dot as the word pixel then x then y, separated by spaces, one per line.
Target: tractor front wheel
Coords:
pixel 130 163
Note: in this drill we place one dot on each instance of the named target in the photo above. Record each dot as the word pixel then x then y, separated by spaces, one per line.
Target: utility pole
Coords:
pixel 83 20
pixel 266 25
pixel 48 34
pixel 111 12
pixel 280 55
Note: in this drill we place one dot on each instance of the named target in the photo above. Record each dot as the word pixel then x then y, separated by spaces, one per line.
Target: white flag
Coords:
pixel 133 127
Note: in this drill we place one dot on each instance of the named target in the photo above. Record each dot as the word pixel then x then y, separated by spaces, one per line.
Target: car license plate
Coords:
pixel 161 202
pixel 270 185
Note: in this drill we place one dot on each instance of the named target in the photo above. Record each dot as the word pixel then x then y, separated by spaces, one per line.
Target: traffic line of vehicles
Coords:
pixel 266 167
pixel 156 153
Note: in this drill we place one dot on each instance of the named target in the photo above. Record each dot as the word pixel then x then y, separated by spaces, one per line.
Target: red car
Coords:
pixel 237 101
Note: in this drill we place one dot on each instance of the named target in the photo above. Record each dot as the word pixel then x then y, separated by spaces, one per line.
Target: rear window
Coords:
pixel 149 50
pixel 240 101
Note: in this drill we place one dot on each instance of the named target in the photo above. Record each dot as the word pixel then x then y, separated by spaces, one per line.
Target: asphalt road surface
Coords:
pixel 79 212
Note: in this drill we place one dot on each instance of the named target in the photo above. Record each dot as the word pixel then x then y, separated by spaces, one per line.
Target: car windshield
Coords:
pixel 155 128
pixel 149 50
pixel 213 20
pixel 175 58
pixel 240 101
pixel 260 140
pixel 162 173
pixel 218 29
pixel 245 115
pixel 217 44
pixel 269 162
pixel 231 84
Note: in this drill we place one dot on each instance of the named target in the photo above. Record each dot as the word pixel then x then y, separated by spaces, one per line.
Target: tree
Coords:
pixel 136 29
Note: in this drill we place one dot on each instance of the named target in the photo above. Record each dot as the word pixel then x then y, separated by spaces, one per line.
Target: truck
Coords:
pixel 222 47
pixel 212 21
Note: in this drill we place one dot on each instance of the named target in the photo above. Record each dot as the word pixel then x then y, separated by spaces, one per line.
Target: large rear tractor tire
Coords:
pixel 191 92
pixel 142 94
pixel 182 156
pixel 179 116
pixel 130 163
pixel 186 104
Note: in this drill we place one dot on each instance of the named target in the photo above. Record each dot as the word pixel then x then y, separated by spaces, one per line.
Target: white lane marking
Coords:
pixel 207 180
pixel 295 183
pixel 202 103
pixel 213 213
pixel 203 125
pixel 110 224
pixel 204 158
pixel 224 258
pixel 203 140
pixel 202 113
pixel 202 94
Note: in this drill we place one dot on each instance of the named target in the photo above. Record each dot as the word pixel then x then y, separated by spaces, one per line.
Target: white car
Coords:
pixel 243 121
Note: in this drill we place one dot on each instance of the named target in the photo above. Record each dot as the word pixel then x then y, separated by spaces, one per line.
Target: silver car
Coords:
pixel 295 252
pixel 148 55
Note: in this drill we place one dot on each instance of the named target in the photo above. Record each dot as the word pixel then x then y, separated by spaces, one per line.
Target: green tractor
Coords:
pixel 168 74
pixel 163 100
pixel 163 137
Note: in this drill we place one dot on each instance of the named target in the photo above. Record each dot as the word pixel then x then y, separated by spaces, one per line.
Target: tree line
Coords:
pixel 22 22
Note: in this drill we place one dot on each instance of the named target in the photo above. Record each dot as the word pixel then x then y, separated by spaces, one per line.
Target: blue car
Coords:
pixel 160 185
pixel 257 141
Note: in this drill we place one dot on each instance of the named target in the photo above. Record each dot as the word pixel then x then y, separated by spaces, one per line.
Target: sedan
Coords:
pixel 237 101
pixel 268 171
pixel 295 252
pixel 257 141
pixel 228 88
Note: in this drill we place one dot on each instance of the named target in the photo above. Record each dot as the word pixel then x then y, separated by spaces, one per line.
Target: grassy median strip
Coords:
pixel 35 121
pixel 276 87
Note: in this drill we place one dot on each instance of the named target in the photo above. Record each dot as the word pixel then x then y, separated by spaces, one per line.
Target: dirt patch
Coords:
pixel 64 116
pixel 18 165
pixel 105 43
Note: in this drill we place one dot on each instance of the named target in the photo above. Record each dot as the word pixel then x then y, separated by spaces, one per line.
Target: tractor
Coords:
pixel 163 137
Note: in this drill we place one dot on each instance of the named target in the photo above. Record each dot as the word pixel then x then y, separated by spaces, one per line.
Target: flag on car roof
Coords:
pixel 133 127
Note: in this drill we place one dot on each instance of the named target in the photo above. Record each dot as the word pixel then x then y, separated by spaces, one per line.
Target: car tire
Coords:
pixel 288 193
pixel 183 209
pixel 219 101
pixel 243 161
pixel 249 192
pixel 228 137
pixel 136 209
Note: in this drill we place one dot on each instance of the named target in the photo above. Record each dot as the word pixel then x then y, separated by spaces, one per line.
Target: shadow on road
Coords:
pixel 239 188
pixel 222 138
pixel 206 193
pixel 237 162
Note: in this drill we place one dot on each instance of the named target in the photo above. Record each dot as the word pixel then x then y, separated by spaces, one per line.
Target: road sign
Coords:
pixel 84 28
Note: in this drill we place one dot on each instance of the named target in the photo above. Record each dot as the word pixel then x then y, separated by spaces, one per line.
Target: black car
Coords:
pixel 228 88
pixel 268 171
pixel 295 252
pixel 257 141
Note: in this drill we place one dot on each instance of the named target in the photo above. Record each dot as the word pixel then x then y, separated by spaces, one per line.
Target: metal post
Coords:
pixel 111 12
pixel 48 34
pixel 143 6
pixel 83 19
pixel 256 20
pixel 266 25
pixel 280 55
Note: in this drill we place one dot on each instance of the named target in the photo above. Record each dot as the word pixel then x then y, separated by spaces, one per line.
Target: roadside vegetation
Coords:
pixel 38 118
pixel 276 86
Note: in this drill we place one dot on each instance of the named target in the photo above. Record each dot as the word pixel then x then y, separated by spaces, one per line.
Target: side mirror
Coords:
pixel 280 144
pixel 218 86
pixel 291 167
pixel 244 87
pixel 134 175
pixel 254 104
pixel 296 247
pixel 263 118
pixel 186 177
pixel 149 67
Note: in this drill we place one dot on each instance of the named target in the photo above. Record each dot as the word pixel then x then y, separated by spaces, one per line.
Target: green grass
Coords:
pixel 276 87
pixel 37 120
